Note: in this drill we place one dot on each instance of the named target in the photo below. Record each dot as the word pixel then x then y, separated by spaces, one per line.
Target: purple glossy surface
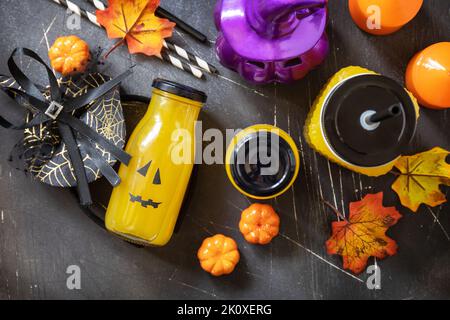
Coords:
pixel 275 71
pixel 276 18
pixel 237 25
pixel 271 40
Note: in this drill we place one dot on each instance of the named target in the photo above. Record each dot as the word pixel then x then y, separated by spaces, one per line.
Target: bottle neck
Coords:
pixel 169 106
pixel 163 97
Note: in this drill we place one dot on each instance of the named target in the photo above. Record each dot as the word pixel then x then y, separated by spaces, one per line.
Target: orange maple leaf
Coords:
pixel 420 178
pixel 134 21
pixel 364 234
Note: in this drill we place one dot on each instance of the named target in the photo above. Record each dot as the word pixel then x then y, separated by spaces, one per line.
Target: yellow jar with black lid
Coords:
pixel 362 121
pixel 262 162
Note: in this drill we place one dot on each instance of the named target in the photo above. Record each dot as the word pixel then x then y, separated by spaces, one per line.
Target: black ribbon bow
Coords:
pixel 60 108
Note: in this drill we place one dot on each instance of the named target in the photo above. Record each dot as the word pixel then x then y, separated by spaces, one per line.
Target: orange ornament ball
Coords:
pixel 218 255
pixel 259 224
pixel 69 55
pixel 428 76
pixel 383 17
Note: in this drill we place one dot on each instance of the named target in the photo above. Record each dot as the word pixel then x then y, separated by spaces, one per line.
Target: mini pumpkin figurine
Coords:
pixel 218 255
pixel 69 55
pixel 259 224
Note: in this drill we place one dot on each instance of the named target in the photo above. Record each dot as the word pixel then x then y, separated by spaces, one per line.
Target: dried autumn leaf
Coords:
pixel 420 177
pixel 363 235
pixel 134 21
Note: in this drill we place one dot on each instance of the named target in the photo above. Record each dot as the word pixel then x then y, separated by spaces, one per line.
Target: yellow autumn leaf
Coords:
pixel 363 235
pixel 420 178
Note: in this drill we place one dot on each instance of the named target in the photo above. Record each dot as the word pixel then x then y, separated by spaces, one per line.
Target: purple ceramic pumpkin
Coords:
pixel 271 40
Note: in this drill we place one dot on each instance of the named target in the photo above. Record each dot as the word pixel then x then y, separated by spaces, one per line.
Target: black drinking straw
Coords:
pixel 391 112
pixel 163 13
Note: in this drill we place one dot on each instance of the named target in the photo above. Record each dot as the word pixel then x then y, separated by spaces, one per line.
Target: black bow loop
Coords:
pixel 27 85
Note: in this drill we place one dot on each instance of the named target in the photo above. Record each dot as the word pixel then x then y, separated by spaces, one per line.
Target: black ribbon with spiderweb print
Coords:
pixel 69 126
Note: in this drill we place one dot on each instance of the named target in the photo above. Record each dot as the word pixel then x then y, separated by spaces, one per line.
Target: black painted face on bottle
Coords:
pixel 351 134
pixel 263 164
pixel 145 203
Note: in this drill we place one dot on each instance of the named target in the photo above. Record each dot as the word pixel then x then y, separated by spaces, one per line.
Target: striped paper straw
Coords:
pixel 75 8
pixel 202 64
pixel 182 65
pixel 192 58
pixel 163 56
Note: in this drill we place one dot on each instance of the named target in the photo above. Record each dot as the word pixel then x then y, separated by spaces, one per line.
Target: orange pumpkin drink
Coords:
pixel 144 207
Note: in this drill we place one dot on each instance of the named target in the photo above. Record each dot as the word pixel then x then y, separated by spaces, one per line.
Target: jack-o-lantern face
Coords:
pixel 156 181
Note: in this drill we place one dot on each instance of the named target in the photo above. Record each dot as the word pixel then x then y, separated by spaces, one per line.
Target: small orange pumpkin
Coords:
pixel 218 255
pixel 69 55
pixel 259 224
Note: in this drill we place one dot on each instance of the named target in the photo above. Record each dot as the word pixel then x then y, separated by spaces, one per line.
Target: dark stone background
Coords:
pixel 42 230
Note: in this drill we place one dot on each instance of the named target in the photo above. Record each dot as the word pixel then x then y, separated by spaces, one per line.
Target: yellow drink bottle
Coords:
pixel 362 121
pixel 144 208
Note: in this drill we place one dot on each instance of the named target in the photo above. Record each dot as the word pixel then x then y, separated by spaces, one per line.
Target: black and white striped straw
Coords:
pixel 181 64
pixel 165 56
pixel 202 64
pixel 76 9
pixel 192 58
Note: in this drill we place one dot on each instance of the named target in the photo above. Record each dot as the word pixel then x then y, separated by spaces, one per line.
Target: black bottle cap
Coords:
pixel 180 90
pixel 248 175
pixel 351 134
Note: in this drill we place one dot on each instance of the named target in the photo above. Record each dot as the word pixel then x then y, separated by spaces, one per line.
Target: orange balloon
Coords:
pixel 428 76
pixel 382 17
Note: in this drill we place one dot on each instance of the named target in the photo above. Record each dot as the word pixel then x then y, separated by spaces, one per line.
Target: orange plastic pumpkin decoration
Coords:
pixel 69 55
pixel 218 255
pixel 259 224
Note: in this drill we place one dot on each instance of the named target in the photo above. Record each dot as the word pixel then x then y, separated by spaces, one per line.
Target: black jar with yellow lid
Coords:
pixel 262 162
